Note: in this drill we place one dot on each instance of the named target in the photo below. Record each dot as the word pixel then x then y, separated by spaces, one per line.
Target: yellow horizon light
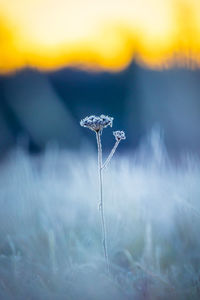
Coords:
pixel 49 34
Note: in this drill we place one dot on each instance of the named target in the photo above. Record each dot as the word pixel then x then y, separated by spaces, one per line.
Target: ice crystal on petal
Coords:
pixel 119 135
pixel 97 123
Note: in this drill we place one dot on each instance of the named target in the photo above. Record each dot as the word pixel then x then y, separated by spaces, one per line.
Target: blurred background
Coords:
pixel 137 61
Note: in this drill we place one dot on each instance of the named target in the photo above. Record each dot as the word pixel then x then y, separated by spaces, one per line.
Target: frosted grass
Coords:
pixel 50 236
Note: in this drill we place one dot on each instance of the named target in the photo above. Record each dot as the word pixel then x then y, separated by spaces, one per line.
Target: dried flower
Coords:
pixel 96 123
pixel 119 135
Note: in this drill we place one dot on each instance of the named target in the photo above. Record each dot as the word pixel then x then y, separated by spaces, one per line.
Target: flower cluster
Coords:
pixel 119 135
pixel 97 123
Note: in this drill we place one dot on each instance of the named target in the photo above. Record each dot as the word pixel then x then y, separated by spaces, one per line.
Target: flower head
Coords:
pixel 96 123
pixel 119 135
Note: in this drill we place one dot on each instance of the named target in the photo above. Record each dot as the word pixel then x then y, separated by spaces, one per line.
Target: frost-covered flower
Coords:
pixel 97 123
pixel 119 135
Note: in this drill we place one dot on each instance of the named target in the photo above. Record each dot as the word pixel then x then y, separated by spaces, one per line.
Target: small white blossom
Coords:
pixel 97 123
pixel 119 135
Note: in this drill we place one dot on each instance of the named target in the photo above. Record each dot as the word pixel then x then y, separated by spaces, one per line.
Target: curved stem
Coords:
pixel 101 204
pixel 111 154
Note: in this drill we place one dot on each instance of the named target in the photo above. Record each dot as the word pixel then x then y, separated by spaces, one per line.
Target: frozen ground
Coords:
pixel 50 233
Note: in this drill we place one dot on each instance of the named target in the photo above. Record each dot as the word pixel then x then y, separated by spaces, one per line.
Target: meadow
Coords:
pixel 50 231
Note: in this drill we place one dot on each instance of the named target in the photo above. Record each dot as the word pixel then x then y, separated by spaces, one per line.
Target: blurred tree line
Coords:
pixel 45 107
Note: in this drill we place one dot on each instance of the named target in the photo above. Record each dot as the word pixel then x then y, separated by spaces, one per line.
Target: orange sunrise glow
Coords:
pixel 49 34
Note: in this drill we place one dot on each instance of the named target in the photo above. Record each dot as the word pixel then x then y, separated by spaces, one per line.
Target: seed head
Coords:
pixel 96 123
pixel 119 135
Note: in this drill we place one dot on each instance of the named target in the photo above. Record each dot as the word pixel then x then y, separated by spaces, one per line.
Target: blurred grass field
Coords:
pixel 50 237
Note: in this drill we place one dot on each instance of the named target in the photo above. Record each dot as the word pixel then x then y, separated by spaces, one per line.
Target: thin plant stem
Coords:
pixel 101 204
pixel 111 154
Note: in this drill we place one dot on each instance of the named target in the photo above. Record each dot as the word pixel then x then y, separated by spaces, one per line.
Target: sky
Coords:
pixel 93 34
